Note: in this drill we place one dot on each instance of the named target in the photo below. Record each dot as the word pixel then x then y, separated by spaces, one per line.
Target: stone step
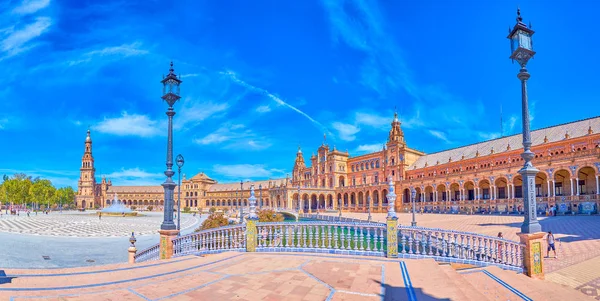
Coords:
pixel 488 287
pixel 470 292
pixel 429 281
pixel 534 288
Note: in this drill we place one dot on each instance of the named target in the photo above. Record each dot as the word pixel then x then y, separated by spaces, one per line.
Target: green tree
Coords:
pixel 268 215
pixel 41 191
pixel 65 196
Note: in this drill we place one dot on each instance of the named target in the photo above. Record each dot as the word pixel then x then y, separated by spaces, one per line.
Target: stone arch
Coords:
pixel 368 199
pixel 517 186
pixel 376 202
pixel 419 195
pixel 305 201
pixel 384 198
pixel 278 202
pixel 501 188
pixel 441 192
pixel 352 200
pixel 406 197
pixel 361 201
pixel 330 201
pixel 469 190
pixel 454 192
pixel 342 181
pixel 587 180
pixel 562 182
pixel 313 202
pixel 428 193
pixel 541 184
pixel 321 203
pixel 346 200
pixel 485 189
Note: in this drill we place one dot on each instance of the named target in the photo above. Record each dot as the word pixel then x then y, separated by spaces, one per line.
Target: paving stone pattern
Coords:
pixel 275 276
pixel 86 224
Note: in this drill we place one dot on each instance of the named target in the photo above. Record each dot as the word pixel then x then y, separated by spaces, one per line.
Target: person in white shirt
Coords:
pixel 550 239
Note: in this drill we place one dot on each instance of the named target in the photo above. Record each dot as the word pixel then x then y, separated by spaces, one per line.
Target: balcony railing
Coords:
pixel 228 238
pixel 345 238
pixel 461 247
pixel 149 254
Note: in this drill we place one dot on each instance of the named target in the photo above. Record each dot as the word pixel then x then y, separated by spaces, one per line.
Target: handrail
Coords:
pixel 148 254
pixel 346 238
pixel 458 246
pixel 216 240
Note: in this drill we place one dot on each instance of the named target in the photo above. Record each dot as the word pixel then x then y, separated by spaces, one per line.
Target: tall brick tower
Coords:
pixel 86 188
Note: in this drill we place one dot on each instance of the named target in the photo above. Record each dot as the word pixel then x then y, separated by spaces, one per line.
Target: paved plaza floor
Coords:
pixel 277 276
pixel 578 241
pixel 74 239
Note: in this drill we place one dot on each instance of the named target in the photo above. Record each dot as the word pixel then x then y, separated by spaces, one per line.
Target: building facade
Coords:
pixel 481 177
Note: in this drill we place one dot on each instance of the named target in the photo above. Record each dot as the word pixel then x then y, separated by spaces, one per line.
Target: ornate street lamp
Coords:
pixel 252 202
pixel 521 46
pixel 340 207
pixel 391 215
pixel 171 96
pixel 179 161
pixel 413 194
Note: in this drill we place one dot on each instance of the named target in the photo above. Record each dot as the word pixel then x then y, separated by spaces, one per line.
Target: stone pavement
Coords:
pixel 86 224
pixel 271 276
pixel 578 238
pixel 95 248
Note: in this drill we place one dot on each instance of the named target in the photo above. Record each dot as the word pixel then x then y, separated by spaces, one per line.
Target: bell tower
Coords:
pixel 299 167
pixel 395 153
pixel 87 181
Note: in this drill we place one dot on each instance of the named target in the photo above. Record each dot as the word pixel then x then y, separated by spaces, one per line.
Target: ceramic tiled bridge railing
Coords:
pixel 349 238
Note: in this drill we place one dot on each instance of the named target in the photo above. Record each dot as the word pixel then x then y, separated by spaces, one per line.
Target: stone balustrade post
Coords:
pixel 533 258
pixel 251 223
pixel 132 249
pixel 166 243
pixel 392 223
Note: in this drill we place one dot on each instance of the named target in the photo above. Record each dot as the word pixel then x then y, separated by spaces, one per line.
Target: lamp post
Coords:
pixel 340 207
pixel 179 161
pixel 171 96
pixel 521 46
pixel 413 194
pixel 240 207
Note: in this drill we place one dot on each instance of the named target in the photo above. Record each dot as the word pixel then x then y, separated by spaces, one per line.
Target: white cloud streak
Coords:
pixel 16 41
pixel 276 99
pixel 263 109
pixel 235 136
pixel 135 177
pixel 369 148
pixel 30 6
pixel 440 135
pixel 111 52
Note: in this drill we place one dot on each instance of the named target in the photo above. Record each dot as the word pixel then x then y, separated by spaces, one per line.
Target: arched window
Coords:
pixel 377 164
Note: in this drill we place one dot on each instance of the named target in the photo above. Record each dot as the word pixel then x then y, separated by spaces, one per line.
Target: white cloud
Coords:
pixel 189 75
pixel 247 171
pixel 59 178
pixel 16 41
pixel 488 135
pixel 30 6
pixel 128 125
pixel 112 52
pixel 369 148
pixel 263 109
pixel 76 122
pixel 135 177
pixel 440 135
pixel 346 131
pixel 192 112
pixel 235 136
pixel 276 99
pixel 373 120
pixel 511 123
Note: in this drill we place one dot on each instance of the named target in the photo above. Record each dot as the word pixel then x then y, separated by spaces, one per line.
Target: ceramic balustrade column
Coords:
pixel 577 186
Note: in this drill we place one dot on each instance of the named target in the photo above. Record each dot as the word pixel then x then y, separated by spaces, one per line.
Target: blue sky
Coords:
pixel 262 77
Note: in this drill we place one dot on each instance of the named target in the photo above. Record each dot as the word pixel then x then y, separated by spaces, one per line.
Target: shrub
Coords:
pixel 150 208
pixel 268 215
pixel 133 207
pixel 214 220
pixel 186 210
pixel 212 210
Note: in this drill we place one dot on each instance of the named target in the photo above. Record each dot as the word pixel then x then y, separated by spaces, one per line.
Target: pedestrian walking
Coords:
pixel 100 216
pixel 550 240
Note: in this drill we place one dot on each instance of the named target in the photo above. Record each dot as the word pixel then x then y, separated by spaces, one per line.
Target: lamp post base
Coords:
pixel 530 223
pixel 533 258
pixel 166 243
